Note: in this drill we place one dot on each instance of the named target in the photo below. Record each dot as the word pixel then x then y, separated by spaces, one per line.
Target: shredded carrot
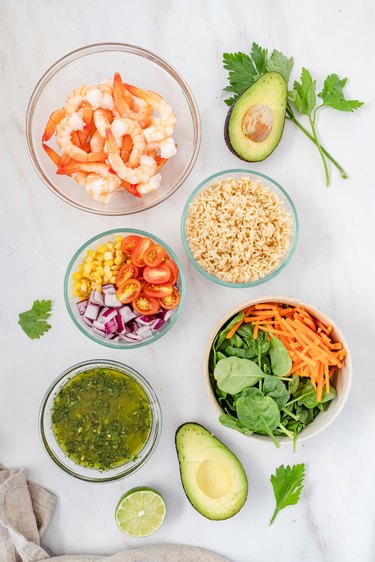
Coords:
pixel 234 329
pixel 309 342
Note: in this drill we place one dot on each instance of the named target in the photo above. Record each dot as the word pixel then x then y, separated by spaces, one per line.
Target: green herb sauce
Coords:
pixel 101 418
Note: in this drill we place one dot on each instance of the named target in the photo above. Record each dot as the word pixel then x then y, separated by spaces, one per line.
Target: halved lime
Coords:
pixel 140 512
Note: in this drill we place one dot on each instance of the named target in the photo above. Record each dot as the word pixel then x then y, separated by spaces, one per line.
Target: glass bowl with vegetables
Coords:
pixel 239 228
pixel 112 129
pixel 277 369
pixel 124 288
pixel 100 420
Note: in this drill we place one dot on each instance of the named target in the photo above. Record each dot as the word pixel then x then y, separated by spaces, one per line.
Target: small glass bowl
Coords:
pixel 71 301
pixel 62 460
pixel 91 65
pixel 267 182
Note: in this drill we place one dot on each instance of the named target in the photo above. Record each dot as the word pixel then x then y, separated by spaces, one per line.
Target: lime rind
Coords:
pixel 140 512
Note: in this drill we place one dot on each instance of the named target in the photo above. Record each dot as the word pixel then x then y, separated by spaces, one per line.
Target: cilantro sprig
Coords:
pixel 287 486
pixel 244 70
pixel 33 321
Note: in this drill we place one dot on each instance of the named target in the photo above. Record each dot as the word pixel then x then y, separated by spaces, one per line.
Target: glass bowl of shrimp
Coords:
pixel 112 129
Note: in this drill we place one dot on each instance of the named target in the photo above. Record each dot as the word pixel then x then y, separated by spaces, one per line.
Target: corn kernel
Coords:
pixel 96 276
pixel 80 267
pixel 99 258
pixel 119 239
pixel 107 269
pixel 84 287
pixel 101 249
pixel 76 276
pixel 118 245
pixel 100 269
pixel 113 279
pixel 110 246
pixel 107 277
pixel 87 268
pixel 93 285
pixel 108 263
pixel 91 253
pixel 88 259
pixel 115 267
pixel 118 261
pixel 76 293
pixel 108 256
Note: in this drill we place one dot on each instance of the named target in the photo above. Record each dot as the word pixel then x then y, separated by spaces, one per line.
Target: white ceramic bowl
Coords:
pixel 344 380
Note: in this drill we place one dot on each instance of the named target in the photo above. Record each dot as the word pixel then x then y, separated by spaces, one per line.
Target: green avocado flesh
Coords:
pixel 255 122
pixel 213 478
pixel 101 418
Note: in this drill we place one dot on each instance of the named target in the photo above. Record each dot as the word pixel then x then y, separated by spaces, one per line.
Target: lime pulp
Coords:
pixel 140 512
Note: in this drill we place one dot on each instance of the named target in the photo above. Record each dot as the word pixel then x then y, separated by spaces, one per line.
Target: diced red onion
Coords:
pixel 111 300
pixel 159 323
pixel 109 314
pixel 166 314
pixel 146 320
pixel 92 311
pixel 98 325
pixel 120 324
pixel 109 288
pixel 87 321
pixel 81 306
pixel 144 332
pixel 126 313
pixel 131 337
pixel 96 297
pixel 99 332
pixel 111 326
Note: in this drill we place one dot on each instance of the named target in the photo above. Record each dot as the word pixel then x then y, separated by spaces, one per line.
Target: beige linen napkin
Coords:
pixel 26 510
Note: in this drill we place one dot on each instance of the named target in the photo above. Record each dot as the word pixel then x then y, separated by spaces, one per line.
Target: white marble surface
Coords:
pixel 333 268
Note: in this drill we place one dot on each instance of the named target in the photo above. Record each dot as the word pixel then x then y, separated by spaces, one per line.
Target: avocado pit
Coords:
pixel 258 122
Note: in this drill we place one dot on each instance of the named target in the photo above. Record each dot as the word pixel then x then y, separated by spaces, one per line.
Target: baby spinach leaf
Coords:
pixel 234 374
pixel 234 423
pixel 236 341
pixel 245 330
pixel 327 396
pixel 223 333
pixel 265 365
pixel 281 363
pixel 276 389
pixel 304 414
pixel 258 413
pixel 293 386
pixel 238 352
pixel 263 343
pixel 220 355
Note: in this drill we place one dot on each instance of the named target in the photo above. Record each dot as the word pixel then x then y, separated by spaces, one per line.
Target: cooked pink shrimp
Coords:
pixel 64 132
pixel 141 174
pixel 161 127
pixel 102 120
pixel 80 178
pixel 97 142
pixel 76 99
pixel 126 106
pixel 125 126
pixel 102 188
pixel 53 121
pixel 167 147
pixel 89 168
pixel 152 185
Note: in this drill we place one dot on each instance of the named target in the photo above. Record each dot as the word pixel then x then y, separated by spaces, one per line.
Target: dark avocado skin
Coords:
pixel 182 482
pixel 227 135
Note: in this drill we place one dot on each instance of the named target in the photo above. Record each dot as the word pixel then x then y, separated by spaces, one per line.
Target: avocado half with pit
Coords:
pixel 213 478
pixel 255 122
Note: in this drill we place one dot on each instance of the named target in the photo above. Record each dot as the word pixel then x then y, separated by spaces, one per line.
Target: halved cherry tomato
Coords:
pixel 128 244
pixel 138 252
pixel 171 301
pixel 157 275
pixel 174 269
pixel 128 291
pixel 131 188
pixel 127 271
pixel 146 305
pixel 154 255
pixel 158 291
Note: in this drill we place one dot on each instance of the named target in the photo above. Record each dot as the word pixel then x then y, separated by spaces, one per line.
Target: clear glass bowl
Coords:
pixel 91 65
pixel 71 301
pixel 266 181
pixel 59 457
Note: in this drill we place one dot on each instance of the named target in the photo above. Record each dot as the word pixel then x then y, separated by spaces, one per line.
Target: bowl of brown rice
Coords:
pixel 239 228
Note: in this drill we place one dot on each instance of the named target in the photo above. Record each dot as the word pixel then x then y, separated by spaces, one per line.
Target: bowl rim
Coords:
pixel 274 272
pixel 108 47
pixel 107 343
pixel 344 394
pixel 154 405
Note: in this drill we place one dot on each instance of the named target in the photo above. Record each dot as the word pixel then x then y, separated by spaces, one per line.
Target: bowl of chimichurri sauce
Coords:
pixel 100 420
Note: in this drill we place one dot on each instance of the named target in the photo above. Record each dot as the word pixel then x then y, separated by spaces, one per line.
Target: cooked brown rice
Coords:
pixel 238 230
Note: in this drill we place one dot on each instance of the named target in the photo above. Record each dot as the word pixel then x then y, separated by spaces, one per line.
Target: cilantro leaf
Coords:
pixel 333 96
pixel 278 62
pixel 241 71
pixel 303 93
pixel 33 321
pixel 259 58
pixel 287 486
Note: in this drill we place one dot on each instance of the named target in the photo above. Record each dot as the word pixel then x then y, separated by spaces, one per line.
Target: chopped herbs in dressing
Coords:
pixel 101 418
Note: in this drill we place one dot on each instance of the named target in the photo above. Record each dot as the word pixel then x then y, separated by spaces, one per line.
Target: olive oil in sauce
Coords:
pixel 101 418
